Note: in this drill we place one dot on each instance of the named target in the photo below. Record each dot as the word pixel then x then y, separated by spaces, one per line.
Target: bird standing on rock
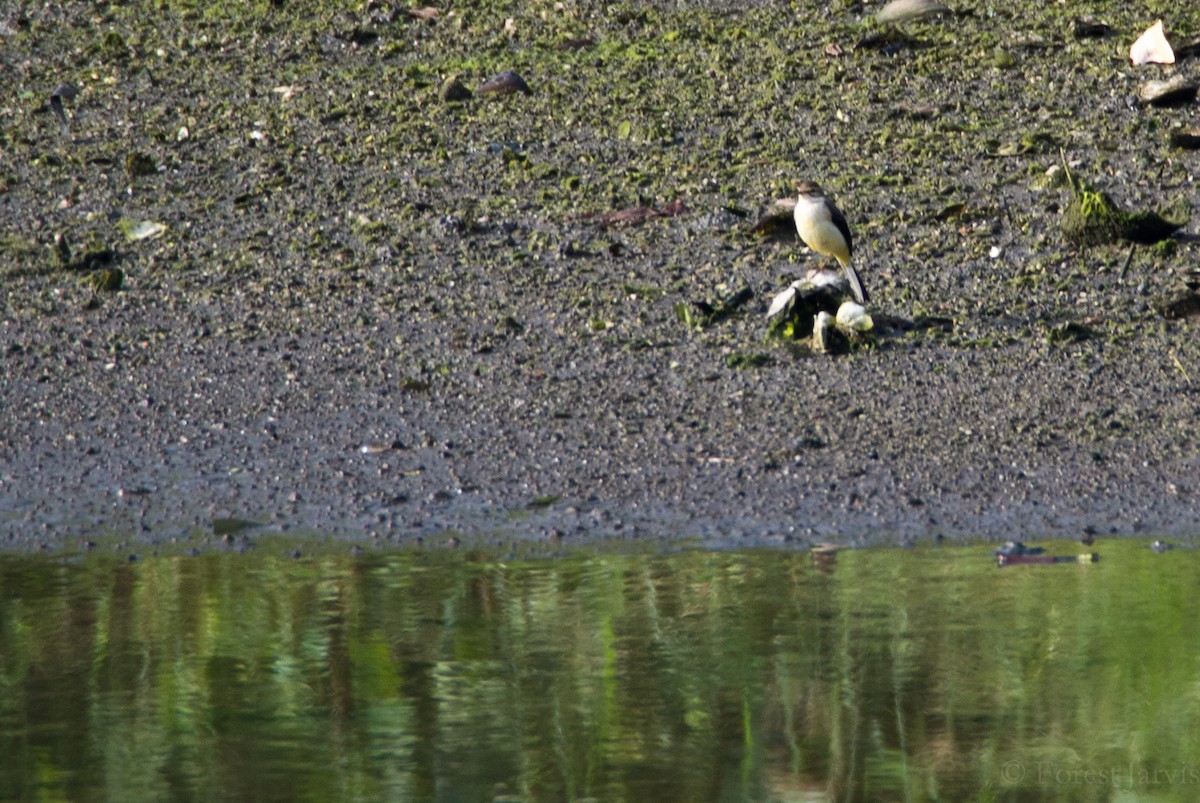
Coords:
pixel 823 228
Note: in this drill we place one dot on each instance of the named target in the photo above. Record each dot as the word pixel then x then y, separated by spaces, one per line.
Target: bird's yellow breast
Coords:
pixel 816 228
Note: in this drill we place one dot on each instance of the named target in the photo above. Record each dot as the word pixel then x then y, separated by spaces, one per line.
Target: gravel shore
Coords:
pixel 377 315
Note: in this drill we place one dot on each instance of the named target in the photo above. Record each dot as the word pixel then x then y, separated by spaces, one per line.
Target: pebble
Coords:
pixel 506 83
pixel 905 10
pixel 1174 90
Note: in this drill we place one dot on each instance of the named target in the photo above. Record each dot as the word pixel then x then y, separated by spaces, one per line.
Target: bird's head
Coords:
pixel 810 189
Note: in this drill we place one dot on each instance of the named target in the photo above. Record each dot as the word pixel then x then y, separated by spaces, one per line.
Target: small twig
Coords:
pixel 1062 154
pixel 1182 370
pixel 1128 261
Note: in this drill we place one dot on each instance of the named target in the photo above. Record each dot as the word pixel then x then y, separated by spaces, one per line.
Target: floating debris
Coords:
pixel 1152 47
pixel 824 556
pixel 1003 59
pixel 288 91
pixel 907 10
pixel 1015 548
pixel 230 526
pixel 1173 91
pixel 506 83
pixel 1011 560
pixel 1014 552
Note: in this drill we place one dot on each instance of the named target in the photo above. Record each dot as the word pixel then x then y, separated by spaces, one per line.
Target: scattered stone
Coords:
pixel 506 83
pixel 1190 50
pixel 820 306
pixel 1089 28
pixel 907 10
pixel 777 220
pixel 1173 91
pixel 826 337
pixel 135 230
pixel 1188 138
pixel 453 90
pixel 853 316
pixel 139 164
pixel 1184 304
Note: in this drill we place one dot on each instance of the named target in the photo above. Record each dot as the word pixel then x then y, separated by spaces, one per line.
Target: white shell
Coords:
pixel 820 328
pixel 852 316
pixel 780 301
pixel 1152 47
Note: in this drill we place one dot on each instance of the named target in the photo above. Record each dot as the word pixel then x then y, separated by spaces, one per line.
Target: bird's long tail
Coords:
pixel 855 285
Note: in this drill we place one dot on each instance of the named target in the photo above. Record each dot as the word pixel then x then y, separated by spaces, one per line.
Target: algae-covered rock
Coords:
pixel 453 90
pixel 1091 218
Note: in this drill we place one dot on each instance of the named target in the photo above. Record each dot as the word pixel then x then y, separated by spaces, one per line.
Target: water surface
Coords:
pixel 883 675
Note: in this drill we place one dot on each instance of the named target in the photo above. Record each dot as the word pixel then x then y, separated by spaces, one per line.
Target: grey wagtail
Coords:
pixel 823 228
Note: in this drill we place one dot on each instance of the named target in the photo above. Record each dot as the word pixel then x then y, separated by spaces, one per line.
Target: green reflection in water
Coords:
pixel 697 676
